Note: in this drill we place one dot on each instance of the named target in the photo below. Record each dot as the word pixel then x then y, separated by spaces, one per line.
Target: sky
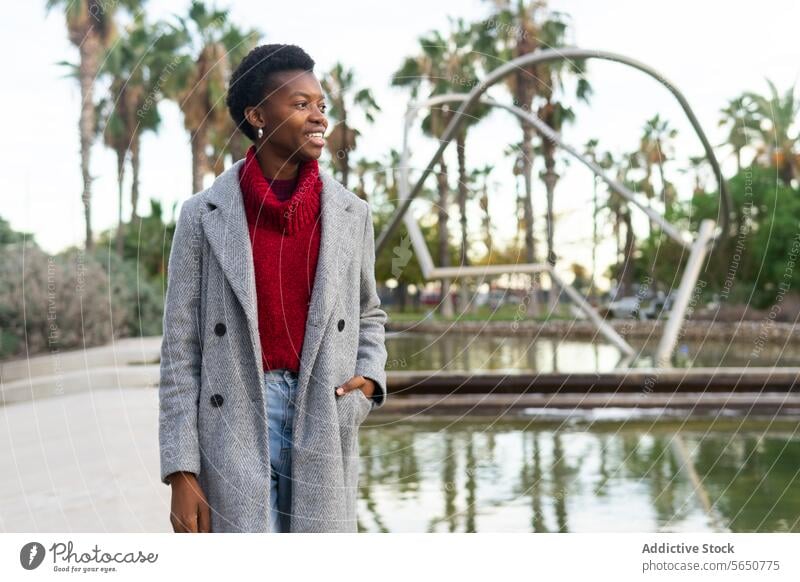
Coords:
pixel 712 51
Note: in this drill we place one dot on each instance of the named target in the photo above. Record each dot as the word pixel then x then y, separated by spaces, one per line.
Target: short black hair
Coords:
pixel 251 79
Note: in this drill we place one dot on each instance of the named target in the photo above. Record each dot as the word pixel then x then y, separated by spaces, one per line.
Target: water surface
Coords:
pixel 568 475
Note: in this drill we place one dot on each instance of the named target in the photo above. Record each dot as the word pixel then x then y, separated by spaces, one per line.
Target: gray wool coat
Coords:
pixel 212 409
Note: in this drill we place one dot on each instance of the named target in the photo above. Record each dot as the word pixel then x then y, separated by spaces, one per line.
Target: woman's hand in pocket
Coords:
pixel 190 512
pixel 366 385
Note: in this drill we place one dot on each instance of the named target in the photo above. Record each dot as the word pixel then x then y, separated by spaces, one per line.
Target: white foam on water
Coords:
pixel 606 413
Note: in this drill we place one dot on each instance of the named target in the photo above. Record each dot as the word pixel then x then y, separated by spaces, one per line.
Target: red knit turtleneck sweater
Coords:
pixel 285 237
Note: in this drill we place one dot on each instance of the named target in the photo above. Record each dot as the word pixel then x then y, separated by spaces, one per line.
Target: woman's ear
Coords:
pixel 254 117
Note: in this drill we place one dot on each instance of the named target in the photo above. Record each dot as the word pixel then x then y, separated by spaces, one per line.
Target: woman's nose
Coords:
pixel 317 114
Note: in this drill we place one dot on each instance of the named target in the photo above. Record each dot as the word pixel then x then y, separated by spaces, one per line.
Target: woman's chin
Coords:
pixel 309 153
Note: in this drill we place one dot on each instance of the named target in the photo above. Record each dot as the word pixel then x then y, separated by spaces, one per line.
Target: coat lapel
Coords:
pixel 227 232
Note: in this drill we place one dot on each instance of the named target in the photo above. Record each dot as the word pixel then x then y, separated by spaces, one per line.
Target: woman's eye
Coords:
pixel 322 107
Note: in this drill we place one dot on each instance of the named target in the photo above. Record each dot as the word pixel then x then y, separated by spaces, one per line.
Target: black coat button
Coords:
pixel 217 400
pixel 341 324
pixel 219 329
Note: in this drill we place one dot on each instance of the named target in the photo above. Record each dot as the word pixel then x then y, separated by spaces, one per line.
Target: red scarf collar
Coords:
pixel 263 206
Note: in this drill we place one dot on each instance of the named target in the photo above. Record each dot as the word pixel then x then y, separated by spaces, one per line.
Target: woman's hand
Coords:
pixel 190 513
pixel 366 385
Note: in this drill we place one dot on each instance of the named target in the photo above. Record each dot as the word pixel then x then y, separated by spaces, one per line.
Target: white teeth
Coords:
pixel 318 134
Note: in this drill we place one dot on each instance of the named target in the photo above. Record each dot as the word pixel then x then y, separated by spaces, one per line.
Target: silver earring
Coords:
pixel 260 132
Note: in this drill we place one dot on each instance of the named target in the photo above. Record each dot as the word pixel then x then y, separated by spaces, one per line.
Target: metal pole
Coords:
pixel 609 332
pixel 688 281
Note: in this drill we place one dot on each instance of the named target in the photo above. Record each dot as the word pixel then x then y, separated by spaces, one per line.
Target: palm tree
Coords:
pixel 465 63
pixel 696 166
pixel 447 64
pixel 515 151
pixel 605 161
pixel 386 177
pixel 656 149
pixel 621 213
pixel 114 136
pixel 516 33
pixel 555 114
pixel 199 82
pixel 776 115
pixel 136 65
pixel 429 69
pixel 90 27
pixel 223 136
pixel 461 64
pixel 479 180
pixel 521 27
pixel 339 84
pixel 740 117
pixel 373 169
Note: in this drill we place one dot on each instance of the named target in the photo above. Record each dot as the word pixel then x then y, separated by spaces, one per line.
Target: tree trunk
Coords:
pixel 463 288
pixel 120 179
pixel 487 223
pixel 238 146
pixel 446 305
pixel 135 166
pixel 530 248
pixel 402 296
pixel 349 141
pixel 667 203
pixel 345 166
pixel 89 50
pixel 627 265
pixel 527 169
pixel 199 139
pixel 593 287
pixel 550 178
pixel 218 166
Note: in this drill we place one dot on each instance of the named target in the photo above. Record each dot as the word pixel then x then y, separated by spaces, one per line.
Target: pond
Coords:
pixel 579 475
pixel 456 351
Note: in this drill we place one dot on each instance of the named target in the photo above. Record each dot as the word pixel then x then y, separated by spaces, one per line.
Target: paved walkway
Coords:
pixel 83 462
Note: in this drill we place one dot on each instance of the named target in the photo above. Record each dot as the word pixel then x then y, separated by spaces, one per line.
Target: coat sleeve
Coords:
pixel 371 359
pixel 179 386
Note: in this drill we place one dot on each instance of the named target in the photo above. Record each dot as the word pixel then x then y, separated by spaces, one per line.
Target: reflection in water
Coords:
pixel 469 352
pixel 535 476
pixel 459 352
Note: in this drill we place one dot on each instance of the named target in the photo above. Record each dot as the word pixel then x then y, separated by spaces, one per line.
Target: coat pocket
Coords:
pixel 364 405
pixel 353 408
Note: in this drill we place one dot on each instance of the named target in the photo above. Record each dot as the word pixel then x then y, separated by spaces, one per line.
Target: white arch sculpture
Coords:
pixel 698 246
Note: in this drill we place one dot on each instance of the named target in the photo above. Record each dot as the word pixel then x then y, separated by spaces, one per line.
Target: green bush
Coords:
pixel 71 300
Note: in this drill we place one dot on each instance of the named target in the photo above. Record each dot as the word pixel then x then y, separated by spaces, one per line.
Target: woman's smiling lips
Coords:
pixel 316 139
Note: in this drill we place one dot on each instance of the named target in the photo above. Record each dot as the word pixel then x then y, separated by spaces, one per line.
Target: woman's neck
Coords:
pixel 274 167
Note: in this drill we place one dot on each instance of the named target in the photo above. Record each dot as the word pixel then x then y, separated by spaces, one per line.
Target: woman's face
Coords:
pixel 291 113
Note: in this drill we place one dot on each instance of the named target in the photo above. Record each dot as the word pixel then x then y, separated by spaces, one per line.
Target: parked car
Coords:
pixel 659 306
pixel 625 307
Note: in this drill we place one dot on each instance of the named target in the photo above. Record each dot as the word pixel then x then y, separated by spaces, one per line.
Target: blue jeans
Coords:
pixel 281 387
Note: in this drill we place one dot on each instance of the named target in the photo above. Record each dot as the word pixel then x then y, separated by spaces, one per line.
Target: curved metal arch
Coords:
pixel 544 57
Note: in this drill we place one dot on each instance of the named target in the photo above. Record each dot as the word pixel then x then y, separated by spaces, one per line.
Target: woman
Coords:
pixel 273 351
